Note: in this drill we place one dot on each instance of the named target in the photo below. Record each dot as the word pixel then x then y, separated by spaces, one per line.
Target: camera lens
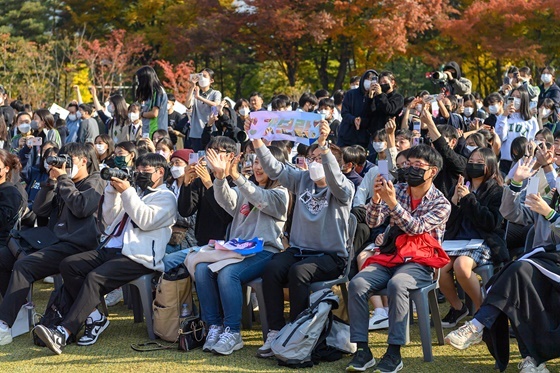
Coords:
pixel 108 173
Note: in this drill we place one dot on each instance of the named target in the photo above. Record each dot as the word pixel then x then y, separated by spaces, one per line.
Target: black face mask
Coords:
pixel 144 180
pixel 415 176
pixel 475 170
pixel 399 174
pixel 385 88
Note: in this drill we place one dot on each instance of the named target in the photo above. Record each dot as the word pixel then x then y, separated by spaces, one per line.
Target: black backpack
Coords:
pixel 59 304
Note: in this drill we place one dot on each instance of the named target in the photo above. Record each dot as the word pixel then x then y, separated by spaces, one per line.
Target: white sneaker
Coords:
pixel 5 335
pixel 212 337
pixel 265 350
pixel 228 343
pixel 48 280
pixel 377 322
pixel 529 365
pixel 114 297
pixel 464 337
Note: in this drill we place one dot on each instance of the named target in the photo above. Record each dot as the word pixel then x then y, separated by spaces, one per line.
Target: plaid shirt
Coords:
pixel 430 216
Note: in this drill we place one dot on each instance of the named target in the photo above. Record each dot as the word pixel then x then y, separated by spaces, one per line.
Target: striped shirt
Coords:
pixel 429 217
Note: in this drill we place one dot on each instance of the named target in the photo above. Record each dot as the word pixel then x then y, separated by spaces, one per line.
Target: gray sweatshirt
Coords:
pixel 320 219
pixel 265 219
pixel 513 209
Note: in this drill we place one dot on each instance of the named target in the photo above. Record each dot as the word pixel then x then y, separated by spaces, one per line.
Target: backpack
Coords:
pixel 59 305
pixel 303 342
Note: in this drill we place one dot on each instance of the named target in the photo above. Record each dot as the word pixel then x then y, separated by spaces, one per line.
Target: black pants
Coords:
pixel 89 275
pixel 298 273
pixel 26 271
pixel 7 261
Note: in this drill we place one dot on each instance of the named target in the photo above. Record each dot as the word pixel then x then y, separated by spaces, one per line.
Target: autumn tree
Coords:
pixel 176 78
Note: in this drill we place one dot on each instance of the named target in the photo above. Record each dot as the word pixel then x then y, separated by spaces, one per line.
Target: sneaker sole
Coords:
pixel 264 355
pixel 89 343
pixel 398 368
pixel 462 347
pixel 380 325
pixel 367 365
pixel 6 340
pixel 449 325
pixel 42 334
pixel 238 346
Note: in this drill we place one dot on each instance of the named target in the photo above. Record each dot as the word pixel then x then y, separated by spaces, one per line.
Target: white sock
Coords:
pixel 63 331
pixel 95 315
pixel 479 327
pixel 380 312
pixel 4 326
pixel 386 310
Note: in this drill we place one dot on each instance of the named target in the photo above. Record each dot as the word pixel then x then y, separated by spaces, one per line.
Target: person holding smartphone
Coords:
pixel 475 214
pixel 513 121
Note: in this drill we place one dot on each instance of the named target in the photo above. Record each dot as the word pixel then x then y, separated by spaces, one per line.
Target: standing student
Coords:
pixel 151 94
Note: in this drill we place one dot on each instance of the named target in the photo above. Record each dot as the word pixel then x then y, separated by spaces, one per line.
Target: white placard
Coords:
pixel 57 109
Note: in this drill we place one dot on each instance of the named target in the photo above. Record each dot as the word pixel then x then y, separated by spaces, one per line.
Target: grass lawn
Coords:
pixel 112 353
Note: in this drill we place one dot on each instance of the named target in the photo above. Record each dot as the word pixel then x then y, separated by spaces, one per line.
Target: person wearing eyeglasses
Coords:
pixel 415 208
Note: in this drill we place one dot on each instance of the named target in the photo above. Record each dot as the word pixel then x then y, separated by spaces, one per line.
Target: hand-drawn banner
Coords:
pixel 295 126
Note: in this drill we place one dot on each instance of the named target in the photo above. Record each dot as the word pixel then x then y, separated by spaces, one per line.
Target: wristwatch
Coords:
pixel 326 147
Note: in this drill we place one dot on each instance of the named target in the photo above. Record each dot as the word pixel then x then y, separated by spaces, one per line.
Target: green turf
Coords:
pixel 112 353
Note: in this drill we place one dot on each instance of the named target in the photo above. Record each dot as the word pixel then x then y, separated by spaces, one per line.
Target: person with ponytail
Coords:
pixel 525 291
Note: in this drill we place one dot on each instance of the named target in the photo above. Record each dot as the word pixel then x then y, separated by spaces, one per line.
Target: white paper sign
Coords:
pixel 57 109
pixel 179 108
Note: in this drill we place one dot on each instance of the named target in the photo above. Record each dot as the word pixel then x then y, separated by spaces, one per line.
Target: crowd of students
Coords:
pixel 458 169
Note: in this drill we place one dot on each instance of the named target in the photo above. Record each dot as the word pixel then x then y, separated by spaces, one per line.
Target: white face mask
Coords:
pixel 244 111
pixel 164 154
pixel 367 84
pixel 470 148
pixel 378 146
pixel 316 171
pixel 79 114
pixel 101 148
pixel 111 109
pixel 546 112
pixel 133 116
pixel 354 86
pixel 74 172
pixel 24 127
pixel 177 171
pixel 203 82
pixel 546 78
pixel 469 111
pixel 72 117
pixel 324 114
pixel 516 103
pixel 493 109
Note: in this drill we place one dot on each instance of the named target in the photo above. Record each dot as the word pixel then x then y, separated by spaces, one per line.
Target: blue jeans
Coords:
pixel 223 290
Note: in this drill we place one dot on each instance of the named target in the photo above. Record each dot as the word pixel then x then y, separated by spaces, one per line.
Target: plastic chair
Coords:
pixel 425 300
pixel 256 284
pixel 142 300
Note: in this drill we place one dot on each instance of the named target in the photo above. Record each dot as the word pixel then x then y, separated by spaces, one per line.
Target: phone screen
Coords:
pixel 383 168
pixel 417 126
pixel 193 158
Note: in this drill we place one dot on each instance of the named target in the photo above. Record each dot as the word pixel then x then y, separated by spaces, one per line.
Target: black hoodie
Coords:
pixel 459 85
pixel 354 106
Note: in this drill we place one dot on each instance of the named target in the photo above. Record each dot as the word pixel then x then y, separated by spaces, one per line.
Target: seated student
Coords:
pixel 416 208
pixel 403 138
pixel 138 228
pixel 327 109
pixel 258 211
pixel 350 158
pixel 164 147
pixel 12 202
pixel 196 198
pixel 363 164
pixel 323 199
pixel 105 148
pixel 525 291
pixel 70 201
pixel 475 214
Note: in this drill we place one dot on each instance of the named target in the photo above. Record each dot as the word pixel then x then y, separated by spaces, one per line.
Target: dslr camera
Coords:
pixel 120 173
pixel 58 160
pixel 437 77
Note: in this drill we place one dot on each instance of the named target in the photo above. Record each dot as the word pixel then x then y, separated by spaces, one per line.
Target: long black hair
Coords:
pixel 148 83
pixel 120 116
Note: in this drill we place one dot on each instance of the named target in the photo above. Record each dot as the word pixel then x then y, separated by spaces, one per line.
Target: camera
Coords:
pixel 437 77
pixel 58 161
pixel 120 173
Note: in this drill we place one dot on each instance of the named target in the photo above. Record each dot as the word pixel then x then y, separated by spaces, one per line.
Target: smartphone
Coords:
pixel 300 161
pixel 383 166
pixel 374 80
pixel 35 141
pixel 510 100
pixel 416 141
pixel 506 80
pixel 195 77
pixel 214 110
pixel 417 126
pixel 533 185
pixel 145 135
pixel 249 160
pixel 237 148
pixel 193 158
pixel 468 184
pixel 460 101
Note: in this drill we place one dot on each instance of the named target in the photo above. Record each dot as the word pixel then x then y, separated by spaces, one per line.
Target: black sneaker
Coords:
pixel 54 339
pixel 92 331
pixel 454 316
pixel 389 364
pixel 362 360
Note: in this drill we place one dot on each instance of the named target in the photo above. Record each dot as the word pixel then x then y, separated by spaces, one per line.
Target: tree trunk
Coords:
pixel 345 52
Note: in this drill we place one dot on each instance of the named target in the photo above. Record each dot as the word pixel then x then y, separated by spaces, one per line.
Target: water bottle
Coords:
pixel 185 310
